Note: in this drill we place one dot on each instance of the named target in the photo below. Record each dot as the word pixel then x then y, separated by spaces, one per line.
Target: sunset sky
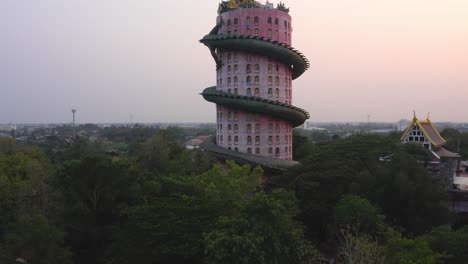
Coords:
pixel 113 58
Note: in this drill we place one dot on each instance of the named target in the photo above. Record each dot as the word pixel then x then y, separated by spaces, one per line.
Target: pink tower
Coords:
pixel 251 44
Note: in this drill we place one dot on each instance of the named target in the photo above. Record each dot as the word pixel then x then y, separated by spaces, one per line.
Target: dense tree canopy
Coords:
pixel 361 199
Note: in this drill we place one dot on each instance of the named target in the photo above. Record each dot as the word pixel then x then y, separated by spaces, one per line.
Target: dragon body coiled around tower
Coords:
pixel 255 63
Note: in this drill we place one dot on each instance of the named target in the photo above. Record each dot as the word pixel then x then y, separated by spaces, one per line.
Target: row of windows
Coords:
pixel 248 67
pixel 287 150
pixel 248 92
pixel 249 117
pixel 256 20
pixel 249 58
pixel 256 80
pixel 257 139
pixel 287 36
pixel 417 139
pixel 248 128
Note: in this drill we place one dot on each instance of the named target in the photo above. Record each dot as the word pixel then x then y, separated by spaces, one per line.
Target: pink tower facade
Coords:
pixel 253 74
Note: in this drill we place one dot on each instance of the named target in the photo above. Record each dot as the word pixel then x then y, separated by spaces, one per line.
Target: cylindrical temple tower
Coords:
pixel 256 64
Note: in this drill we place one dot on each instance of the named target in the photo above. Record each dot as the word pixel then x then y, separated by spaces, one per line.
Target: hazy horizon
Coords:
pixel 113 59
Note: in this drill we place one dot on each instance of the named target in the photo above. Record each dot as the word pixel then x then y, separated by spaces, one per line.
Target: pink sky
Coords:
pixel 113 58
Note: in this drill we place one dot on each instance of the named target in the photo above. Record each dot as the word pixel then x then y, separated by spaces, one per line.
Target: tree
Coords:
pixel 400 250
pixel 409 195
pixel 357 248
pixel 169 226
pixel 453 243
pixel 96 189
pixel 35 240
pixel 262 232
pixel 356 213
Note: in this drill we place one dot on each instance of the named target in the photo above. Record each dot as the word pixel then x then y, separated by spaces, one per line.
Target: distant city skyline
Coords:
pixel 111 60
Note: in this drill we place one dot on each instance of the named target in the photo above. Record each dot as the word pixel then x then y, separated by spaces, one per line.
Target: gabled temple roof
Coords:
pixel 429 130
pixel 443 153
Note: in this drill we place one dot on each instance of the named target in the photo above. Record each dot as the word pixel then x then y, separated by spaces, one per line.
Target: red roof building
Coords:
pixel 426 134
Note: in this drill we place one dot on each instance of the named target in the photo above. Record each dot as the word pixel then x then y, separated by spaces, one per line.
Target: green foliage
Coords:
pixel 454 244
pixel 263 231
pixel 359 214
pixel 360 249
pixel 407 194
pixel 456 141
pixel 35 240
pixel 164 154
pixel 169 227
pixel 302 146
pixel 6 145
pixel 95 190
pixel 400 250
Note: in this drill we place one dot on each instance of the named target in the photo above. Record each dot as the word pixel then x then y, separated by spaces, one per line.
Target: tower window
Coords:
pixel 229 22
pixel 257 79
pixel 269 20
pixel 256 20
pixel 257 91
pixel 276 21
pixel 236 21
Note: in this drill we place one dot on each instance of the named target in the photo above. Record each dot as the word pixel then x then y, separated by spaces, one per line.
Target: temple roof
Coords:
pixel 443 153
pixel 429 130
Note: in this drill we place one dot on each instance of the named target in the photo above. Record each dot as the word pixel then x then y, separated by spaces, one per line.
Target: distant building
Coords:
pixel 444 162
pixel 196 142
pixel 403 124
pixel 463 128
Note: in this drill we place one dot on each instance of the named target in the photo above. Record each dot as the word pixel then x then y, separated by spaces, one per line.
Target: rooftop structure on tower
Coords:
pixel 255 64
